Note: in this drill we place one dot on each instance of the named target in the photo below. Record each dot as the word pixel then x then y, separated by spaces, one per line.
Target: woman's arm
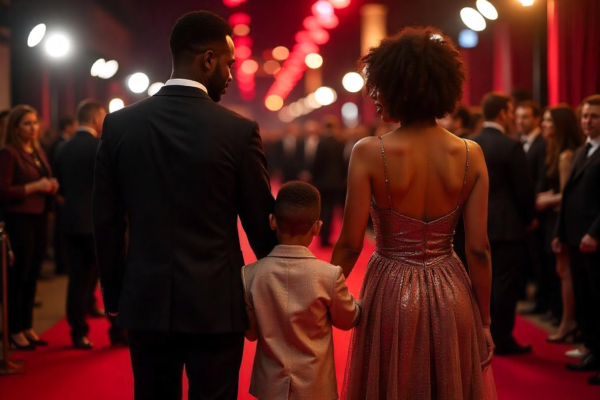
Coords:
pixel 565 162
pixel 356 214
pixel 477 243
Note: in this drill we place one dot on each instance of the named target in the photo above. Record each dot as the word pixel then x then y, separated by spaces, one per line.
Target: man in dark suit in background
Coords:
pixel 74 167
pixel 329 174
pixel 178 169
pixel 511 211
pixel 578 228
pixel 528 117
pixel 291 152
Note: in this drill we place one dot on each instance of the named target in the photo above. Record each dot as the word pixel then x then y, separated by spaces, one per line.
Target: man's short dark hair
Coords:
pixel 493 103
pixel 196 31
pixel 535 107
pixel 464 115
pixel 297 208
pixel 87 109
pixel 593 100
pixel 64 122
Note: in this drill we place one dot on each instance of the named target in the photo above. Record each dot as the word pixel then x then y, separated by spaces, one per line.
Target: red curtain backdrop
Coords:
pixel 573 50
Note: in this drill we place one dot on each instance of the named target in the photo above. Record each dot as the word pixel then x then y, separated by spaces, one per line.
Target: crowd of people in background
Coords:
pixel 544 209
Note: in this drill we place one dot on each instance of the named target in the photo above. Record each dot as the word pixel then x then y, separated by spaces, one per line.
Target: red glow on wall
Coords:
pixel 239 19
pixel 233 3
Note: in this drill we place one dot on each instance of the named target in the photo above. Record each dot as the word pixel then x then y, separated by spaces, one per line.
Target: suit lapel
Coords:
pixel 582 165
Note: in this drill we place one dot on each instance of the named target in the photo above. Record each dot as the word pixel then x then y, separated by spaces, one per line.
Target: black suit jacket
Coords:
pixel 580 209
pixel 536 162
pixel 74 162
pixel 330 168
pixel 181 169
pixel 511 205
pixel 291 164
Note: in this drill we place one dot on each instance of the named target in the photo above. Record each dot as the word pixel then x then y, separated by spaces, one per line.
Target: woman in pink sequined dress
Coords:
pixel 424 332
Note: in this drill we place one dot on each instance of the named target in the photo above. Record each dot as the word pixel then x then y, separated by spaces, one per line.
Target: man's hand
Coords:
pixel 588 244
pixel 557 246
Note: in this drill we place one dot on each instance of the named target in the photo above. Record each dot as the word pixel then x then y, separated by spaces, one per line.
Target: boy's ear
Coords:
pixel 316 229
pixel 273 222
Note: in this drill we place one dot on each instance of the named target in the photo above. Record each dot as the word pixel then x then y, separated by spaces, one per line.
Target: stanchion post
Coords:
pixel 7 367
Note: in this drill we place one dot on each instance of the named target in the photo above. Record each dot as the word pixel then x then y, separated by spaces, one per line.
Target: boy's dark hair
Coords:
pixel 196 31
pixel 297 208
pixel 493 103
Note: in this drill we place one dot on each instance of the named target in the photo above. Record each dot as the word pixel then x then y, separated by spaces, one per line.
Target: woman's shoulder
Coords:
pixel 365 146
pixel 566 155
pixel 9 150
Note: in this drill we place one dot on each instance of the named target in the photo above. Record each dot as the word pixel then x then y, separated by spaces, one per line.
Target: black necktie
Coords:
pixel 583 157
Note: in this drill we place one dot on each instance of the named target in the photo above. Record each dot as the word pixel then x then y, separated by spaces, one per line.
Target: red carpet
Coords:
pixel 59 373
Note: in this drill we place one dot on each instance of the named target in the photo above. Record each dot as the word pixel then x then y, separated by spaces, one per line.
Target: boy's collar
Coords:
pixel 286 251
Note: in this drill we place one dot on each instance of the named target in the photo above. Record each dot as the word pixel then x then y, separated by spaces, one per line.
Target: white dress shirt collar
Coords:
pixel 595 144
pixel 186 82
pixel 495 125
pixel 529 139
pixel 87 129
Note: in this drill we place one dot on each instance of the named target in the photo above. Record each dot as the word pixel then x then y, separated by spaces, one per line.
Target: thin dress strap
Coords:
pixel 385 170
pixel 465 178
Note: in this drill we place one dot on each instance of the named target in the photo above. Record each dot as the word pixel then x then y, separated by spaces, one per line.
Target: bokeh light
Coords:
pixel 241 30
pixel 274 102
pixel 233 3
pixel 319 36
pixel 154 88
pixel 325 95
pixel 340 3
pixel 472 19
pixel 527 3
pixel 58 45
pixel 353 82
pixel 468 38
pixel 249 67
pixel 328 22
pixel 115 105
pixel 109 69
pixel 37 35
pixel 322 9
pixel 350 111
pixel 487 9
pixel 138 82
pixel 271 67
pixel 313 61
pixel 281 53
pixel 243 52
pixel 97 67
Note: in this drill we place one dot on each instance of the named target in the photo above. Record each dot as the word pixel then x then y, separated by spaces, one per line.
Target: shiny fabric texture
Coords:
pixel 420 336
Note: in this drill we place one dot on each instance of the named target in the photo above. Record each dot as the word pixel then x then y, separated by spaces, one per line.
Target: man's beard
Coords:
pixel 216 85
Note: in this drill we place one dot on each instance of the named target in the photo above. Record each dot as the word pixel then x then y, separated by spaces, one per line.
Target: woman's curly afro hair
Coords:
pixel 418 72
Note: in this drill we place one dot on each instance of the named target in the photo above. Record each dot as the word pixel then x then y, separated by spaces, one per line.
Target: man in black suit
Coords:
pixel 528 115
pixel 511 211
pixel 291 150
pixel 330 174
pixel 74 167
pixel 578 228
pixel 177 169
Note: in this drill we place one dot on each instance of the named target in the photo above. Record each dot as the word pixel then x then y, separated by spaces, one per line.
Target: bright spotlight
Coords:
pixel 154 88
pixel 527 3
pixel 58 45
pixel 322 9
pixel 325 95
pixel 249 67
pixel 274 102
pixel 487 9
pixel 353 82
pixel 97 67
pixel 109 69
pixel 350 111
pixel 115 105
pixel 468 38
pixel 340 3
pixel 36 35
pixel 138 82
pixel 472 19
pixel 313 61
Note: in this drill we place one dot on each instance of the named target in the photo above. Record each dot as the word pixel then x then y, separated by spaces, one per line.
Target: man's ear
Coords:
pixel 273 222
pixel 316 229
pixel 208 60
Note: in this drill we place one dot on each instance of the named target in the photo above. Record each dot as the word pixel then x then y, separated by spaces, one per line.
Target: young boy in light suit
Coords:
pixel 293 300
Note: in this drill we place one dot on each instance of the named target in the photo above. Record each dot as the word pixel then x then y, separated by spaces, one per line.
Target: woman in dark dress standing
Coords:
pixel 26 192
pixel 561 130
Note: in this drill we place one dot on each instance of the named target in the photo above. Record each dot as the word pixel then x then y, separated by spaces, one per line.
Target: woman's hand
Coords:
pixel 55 185
pixel 490 346
pixel 44 185
pixel 557 246
pixel 544 200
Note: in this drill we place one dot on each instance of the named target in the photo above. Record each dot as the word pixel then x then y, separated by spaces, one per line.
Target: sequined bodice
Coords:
pixel 412 241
